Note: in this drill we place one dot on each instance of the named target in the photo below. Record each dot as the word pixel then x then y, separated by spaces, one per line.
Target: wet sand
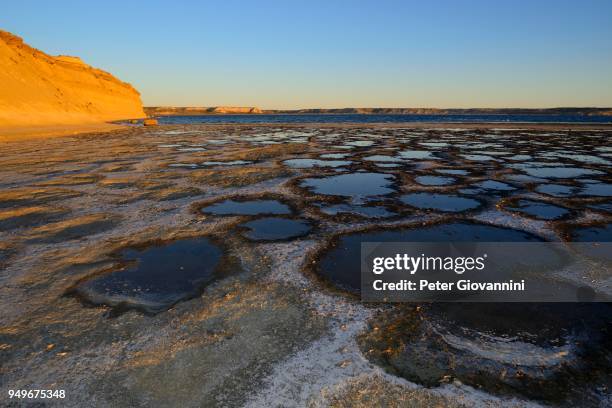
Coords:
pixel 17 133
pixel 268 330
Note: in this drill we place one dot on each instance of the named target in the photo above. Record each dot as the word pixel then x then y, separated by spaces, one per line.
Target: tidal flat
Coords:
pixel 252 224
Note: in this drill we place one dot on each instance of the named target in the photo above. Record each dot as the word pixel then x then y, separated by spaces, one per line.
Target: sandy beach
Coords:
pixel 19 133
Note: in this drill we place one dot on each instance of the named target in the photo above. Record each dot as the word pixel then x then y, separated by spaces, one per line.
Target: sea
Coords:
pixel 375 118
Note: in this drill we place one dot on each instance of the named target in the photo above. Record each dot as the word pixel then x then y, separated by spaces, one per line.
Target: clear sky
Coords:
pixel 290 54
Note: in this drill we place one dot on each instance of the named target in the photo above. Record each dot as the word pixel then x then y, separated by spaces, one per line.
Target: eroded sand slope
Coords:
pixel 37 89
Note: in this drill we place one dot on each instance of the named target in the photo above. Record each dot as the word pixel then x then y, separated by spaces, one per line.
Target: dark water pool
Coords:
pixel 156 277
pixel 357 185
pixel 275 228
pixel 435 180
pixel 494 185
pixel 341 264
pixel 556 190
pixel 440 202
pixel 310 163
pixel 361 210
pixel 539 210
pixel 250 207
pixel 595 233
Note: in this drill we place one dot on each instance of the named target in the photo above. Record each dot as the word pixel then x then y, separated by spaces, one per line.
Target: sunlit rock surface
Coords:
pixel 39 89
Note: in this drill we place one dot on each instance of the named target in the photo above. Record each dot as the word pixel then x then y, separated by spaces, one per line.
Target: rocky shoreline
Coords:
pixel 271 329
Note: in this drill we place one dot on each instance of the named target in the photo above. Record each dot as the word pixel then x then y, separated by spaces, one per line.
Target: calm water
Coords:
pixel 161 276
pixel 361 118
pixel 251 207
pixel 341 264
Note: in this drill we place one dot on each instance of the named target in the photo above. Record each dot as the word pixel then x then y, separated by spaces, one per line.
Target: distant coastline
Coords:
pixel 228 110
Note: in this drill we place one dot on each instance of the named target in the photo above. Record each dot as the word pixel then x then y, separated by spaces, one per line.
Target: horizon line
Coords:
pixel 376 107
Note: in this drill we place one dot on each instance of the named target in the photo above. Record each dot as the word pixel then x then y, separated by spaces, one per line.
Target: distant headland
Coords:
pixel 224 110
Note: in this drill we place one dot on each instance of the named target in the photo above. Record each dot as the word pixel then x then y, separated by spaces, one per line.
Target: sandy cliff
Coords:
pixel 235 109
pixel 37 89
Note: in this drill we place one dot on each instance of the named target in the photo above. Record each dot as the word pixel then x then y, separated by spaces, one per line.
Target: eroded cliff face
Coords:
pixel 37 89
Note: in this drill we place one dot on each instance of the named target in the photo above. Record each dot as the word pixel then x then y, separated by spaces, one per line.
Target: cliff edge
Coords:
pixel 37 89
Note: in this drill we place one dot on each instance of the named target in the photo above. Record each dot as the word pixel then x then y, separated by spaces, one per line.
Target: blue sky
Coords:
pixel 283 54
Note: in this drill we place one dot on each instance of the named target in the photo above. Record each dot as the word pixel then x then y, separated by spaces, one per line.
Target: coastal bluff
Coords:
pixel 200 110
pixel 37 89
